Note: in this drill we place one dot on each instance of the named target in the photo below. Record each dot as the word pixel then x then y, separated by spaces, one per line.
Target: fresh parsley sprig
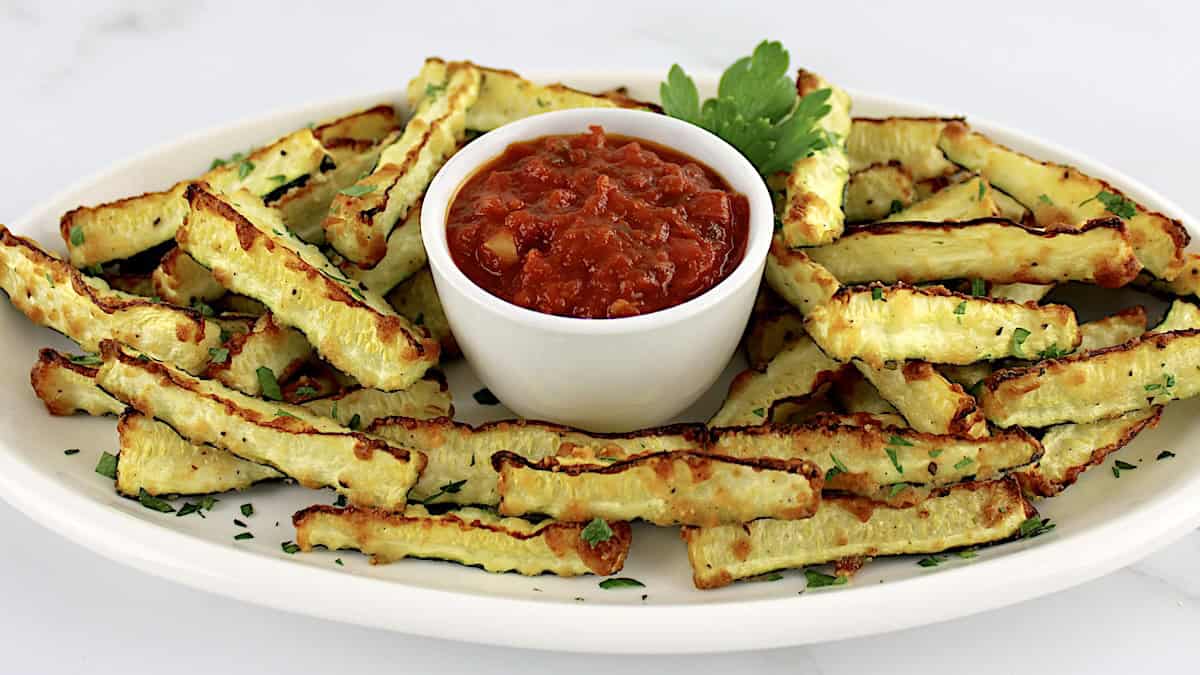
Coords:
pixel 757 109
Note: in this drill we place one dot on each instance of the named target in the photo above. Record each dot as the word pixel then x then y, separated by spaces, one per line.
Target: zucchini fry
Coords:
pixel 361 219
pixel 1115 329
pixel 854 394
pixel 1021 293
pixel 802 409
pixel 1182 315
pixel 902 323
pixel 854 527
pixel 468 536
pixel 769 332
pixel 666 488
pixel 1072 449
pixel 968 200
pixel 52 293
pixel 797 370
pixel 910 141
pixel 126 227
pixel 1062 197
pixel 359 408
pixel 371 125
pixel 992 249
pixel 67 385
pixel 311 449
pixel 354 329
pixel 180 280
pixel 931 403
pixel 417 300
pixel 459 468
pixel 404 257
pixel 1187 284
pixel 871 461
pixel 268 345
pixel 156 459
pixel 877 191
pixel 797 279
pixel 812 212
pixel 1141 373
pixel 505 96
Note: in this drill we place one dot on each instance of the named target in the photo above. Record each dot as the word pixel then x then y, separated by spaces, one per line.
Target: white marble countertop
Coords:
pixel 88 84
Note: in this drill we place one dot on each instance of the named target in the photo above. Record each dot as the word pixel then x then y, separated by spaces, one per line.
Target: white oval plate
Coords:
pixel 1103 523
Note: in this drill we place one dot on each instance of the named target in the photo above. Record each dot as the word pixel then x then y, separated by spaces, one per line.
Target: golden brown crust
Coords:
pixel 699 461
pixel 1035 483
pixel 696 433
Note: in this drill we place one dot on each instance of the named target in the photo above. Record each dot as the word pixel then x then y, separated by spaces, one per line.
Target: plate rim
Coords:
pixel 627 629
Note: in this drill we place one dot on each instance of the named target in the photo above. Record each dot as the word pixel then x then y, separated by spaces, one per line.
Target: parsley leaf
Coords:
pixel 931 561
pixel 1115 204
pixel 596 532
pixel 243 536
pixel 451 488
pixel 877 293
pixel 270 386
pixel 757 109
pixel 71 451
pixel 85 359
pixel 289 547
pixel 1018 338
pixel 153 503
pixel 1034 526
pixel 358 190
pixel 107 466
pixel 77 237
pixel 620 582
pixel 838 467
pixel 1165 454
pixel 1045 200
pixel 815 579
pixel 760 412
pixel 961 308
pixel 245 168
pixel 964 463
pixel 891 453
pixel 218 354
pixel 978 288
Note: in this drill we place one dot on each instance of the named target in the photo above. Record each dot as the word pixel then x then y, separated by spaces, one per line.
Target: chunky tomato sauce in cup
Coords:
pixel 596 226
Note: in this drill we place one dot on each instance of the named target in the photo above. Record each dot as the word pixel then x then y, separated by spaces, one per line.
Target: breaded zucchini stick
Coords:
pixel 991 249
pixel 968 200
pixel 468 536
pixel 1072 449
pixel 417 300
pixel 854 527
pixel 870 460
pixel 812 211
pixel 67 385
pixel 359 408
pixel 1182 315
pixel 1115 329
pixel 925 398
pixel 405 256
pixel 912 142
pixel 798 369
pixel 180 280
pixel 156 459
pixel 797 279
pixel 459 468
pixel 52 293
pixel 279 349
pixel 901 323
pixel 666 488
pixel 354 329
pixel 361 218
pixel 1139 374
pixel 311 449
pixel 877 191
pixel 1061 197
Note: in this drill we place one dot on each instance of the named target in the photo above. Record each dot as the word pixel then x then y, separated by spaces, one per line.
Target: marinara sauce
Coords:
pixel 596 226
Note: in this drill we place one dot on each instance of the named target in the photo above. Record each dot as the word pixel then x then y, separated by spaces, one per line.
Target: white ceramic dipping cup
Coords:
pixel 599 374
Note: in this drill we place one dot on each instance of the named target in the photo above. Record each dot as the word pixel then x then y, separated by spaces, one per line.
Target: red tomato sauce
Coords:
pixel 596 226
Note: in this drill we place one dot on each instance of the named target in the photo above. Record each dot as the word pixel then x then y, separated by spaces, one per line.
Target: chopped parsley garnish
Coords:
pixel 931 561
pixel 621 582
pixel 208 502
pixel 358 190
pixel 242 536
pixel 50 279
pixel 1034 527
pixel 338 562
pixel 815 579
pixel 1165 454
pixel 204 308
pixel 153 503
pixel 305 391
pixel 596 532
pixel 451 488
pixel 935 452
pixel 85 359
pixel 216 164
pixel 340 501
pixel 485 397
pixel 247 510
pixel 245 168
pixel 218 354
pixel 354 422
pixel 71 451
pixel 773 576
pixel 838 467
pixel 895 207
pixel 77 237
pixel 107 466
pixel 357 293
pixel 897 440
pixel 982 190
pixel 1018 339
pixel 978 288
pixel 432 90
pixel 1052 352
pixel 963 463
pixel 278 178
pixel 1114 203
pixel 280 412
pixel 961 308
pixel 419 320
pixel 760 412
pixel 891 453
pixel 188 509
pixel 239 523
pixel 1045 200
pixel 967 554
pixel 270 386
pixel 757 109
pixel 896 489
pixel 289 547
pixel 1124 466
pixel 877 293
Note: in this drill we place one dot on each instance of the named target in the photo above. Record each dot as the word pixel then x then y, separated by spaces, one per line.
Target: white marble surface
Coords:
pixel 88 84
